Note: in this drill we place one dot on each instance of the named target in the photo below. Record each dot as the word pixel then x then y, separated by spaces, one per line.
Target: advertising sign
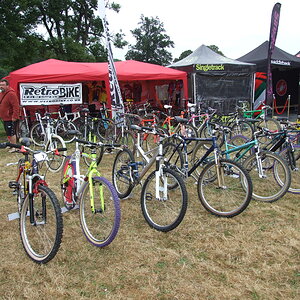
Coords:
pixel 50 93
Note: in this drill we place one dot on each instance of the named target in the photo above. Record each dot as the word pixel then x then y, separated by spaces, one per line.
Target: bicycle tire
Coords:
pixel 55 162
pixel 68 183
pixel 37 135
pixel 277 178
pixel 42 240
pixel 199 151
pixel 295 170
pixel 20 187
pixel 243 128
pixel 164 214
pixel 100 227
pixel 128 140
pixel 121 173
pixel 62 127
pixel 229 200
pixel 271 124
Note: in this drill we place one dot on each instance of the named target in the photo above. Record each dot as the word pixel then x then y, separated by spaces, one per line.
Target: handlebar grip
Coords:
pixel 61 149
pixel 13 145
pixel 3 145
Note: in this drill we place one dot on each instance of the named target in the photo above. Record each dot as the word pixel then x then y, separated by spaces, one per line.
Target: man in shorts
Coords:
pixel 9 110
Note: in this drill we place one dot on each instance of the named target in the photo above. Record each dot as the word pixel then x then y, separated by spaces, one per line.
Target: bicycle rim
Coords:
pixel 121 175
pixel 276 180
pixel 167 212
pixel 101 226
pixel 55 162
pixel 234 194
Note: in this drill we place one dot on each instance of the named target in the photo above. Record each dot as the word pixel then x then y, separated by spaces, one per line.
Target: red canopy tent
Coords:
pixel 57 71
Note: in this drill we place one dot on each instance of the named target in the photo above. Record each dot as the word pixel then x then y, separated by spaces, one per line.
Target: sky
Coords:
pixel 235 26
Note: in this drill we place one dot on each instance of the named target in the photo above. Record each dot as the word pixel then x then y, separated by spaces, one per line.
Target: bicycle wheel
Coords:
pixel 275 180
pixel 189 131
pixel 128 140
pixel 101 226
pixel 243 128
pixel 173 157
pixel 150 141
pixel 55 162
pixel 62 128
pixel 199 151
pixel 68 183
pixel 294 164
pixel 207 132
pixel 37 135
pixel 41 240
pixel 20 186
pixel 22 130
pixel 229 198
pixel 271 124
pixel 166 212
pixel 121 173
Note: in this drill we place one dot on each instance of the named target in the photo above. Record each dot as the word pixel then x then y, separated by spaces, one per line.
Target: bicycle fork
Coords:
pixel 160 179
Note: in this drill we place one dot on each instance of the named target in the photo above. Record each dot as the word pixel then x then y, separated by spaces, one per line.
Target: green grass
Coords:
pixel 252 256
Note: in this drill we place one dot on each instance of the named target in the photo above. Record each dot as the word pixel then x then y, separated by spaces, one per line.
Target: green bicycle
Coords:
pixel 94 195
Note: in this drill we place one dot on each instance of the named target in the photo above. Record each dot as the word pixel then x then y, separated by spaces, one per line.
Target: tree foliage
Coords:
pixel 183 55
pixel 216 49
pixel 35 30
pixel 151 42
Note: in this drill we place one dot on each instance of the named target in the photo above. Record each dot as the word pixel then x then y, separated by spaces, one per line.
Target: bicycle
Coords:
pixel 224 186
pixel 98 202
pixel 286 143
pixel 66 123
pixel 163 196
pixel 270 174
pixel 41 223
pixel 42 134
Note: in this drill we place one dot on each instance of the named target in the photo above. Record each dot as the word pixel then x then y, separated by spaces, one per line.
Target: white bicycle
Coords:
pixel 42 135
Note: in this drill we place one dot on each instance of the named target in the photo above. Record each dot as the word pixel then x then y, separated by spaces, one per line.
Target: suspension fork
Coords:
pixel 158 173
pixel 92 195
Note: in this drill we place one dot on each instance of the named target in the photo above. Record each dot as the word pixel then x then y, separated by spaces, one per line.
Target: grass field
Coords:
pixel 252 256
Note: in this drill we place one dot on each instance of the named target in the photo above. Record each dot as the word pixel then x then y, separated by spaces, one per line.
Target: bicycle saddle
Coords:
pixel 181 120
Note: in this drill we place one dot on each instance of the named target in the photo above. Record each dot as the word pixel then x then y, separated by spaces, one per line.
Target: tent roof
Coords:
pixel 204 55
pixel 58 71
pixel 279 57
pixel 53 70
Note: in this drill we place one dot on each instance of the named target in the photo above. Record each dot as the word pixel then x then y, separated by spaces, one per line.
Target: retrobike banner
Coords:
pixel 50 93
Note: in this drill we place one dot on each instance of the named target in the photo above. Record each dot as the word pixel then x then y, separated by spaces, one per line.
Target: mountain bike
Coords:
pixel 270 174
pixel 224 186
pixel 39 212
pixel 164 195
pixel 98 202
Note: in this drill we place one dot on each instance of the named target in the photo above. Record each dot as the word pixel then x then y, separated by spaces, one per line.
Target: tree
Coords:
pixel 216 49
pixel 39 29
pixel 183 55
pixel 151 42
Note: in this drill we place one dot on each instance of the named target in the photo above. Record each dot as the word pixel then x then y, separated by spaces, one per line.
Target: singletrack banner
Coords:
pixel 272 40
pixel 50 93
pixel 115 91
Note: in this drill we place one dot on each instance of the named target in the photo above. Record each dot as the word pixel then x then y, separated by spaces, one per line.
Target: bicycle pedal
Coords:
pixel 13 185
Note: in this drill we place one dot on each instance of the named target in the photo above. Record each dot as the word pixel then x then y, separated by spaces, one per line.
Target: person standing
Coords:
pixel 9 110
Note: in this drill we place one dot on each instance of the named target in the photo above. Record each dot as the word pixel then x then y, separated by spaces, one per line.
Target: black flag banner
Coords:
pixel 115 91
pixel 272 40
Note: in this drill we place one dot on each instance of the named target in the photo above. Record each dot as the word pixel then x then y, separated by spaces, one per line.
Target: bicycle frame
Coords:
pixel 92 171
